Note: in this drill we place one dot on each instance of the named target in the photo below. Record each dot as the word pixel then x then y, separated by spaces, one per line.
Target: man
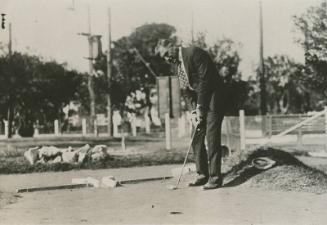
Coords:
pixel 203 91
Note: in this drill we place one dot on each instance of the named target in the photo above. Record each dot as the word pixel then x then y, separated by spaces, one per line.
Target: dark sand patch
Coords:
pixel 288 174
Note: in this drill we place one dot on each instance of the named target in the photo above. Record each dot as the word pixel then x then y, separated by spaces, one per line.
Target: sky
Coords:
pixel 50 29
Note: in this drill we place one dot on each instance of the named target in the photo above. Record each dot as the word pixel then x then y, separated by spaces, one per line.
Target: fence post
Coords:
pixel 242 129
pixel 84 127
pixel 299 138
pixel 133 125
pixel 123 145
pixel 167 131
pixel 270 125
pixel 95 127
pixel 181 126
pixel 147 124
pixel 56 127
pixel 189 122
pixel 6 129
pixel 299 134
pixel 325 127
pixel 115 129
pixel 36 129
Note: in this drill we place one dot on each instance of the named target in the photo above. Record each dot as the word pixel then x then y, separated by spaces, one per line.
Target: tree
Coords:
pixel 313 26
pixel 129 71
pixel 224 53
pixel 14 73
pixel 286 91
pixel 33 90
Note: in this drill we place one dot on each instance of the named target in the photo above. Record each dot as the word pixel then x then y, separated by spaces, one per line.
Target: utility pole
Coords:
pixel 262 79
pixel 90 83
pixel 10 112
pixel 10 41
pixel 109 71
pixel 192 28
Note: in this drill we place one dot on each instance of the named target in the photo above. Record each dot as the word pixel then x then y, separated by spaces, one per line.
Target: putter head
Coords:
pixel 171 187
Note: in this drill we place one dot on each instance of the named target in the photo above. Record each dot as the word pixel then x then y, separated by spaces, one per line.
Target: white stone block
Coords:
pixel 89 180
pixel 109 181
pixel 79 181
pixel 94 182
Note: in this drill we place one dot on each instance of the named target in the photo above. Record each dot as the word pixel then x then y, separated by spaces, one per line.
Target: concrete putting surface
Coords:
pixel 153 203
pixel 243 202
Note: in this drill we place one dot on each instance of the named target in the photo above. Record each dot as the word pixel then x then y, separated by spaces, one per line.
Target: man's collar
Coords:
pixel 180 56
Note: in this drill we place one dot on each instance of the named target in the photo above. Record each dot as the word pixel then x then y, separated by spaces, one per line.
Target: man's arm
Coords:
pixel 189 97
pixel 201 62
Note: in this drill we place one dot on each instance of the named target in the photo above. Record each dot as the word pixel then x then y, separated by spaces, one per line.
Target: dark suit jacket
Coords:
pixel 204 79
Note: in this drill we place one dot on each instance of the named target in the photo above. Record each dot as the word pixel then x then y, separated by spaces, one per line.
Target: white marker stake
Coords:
pixel 168 131
pixel 242 129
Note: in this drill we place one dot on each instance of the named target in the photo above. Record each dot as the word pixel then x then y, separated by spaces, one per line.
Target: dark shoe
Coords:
pixel 198 182
pixel 213 185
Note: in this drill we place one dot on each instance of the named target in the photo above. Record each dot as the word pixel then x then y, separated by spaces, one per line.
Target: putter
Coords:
pixel 174 187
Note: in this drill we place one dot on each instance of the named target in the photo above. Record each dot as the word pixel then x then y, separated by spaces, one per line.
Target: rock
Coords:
pixel 82 152
pixel 89 180
pixel 81 157
pixel 109 181
pixel 99 148
pixel 99 152
pixel 58 159
pixel 49 153
pixel 84 148
pixel 70 156
pixel 94 182
pixel 32 155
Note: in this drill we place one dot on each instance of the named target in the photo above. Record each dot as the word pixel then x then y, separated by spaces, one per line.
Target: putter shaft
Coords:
pixel 185 160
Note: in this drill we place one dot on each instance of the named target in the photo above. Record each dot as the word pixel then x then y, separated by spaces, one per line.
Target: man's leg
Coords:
pixel 200 157
pixel 213 134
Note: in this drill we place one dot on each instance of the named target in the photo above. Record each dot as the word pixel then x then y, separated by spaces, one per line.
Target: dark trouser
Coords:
pixel 208 162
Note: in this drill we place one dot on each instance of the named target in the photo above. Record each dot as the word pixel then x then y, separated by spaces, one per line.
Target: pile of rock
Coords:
pixel 52 154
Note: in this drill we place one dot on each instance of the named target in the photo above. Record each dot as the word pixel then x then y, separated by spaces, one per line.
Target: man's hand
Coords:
pixel 197 116
pixel 194 118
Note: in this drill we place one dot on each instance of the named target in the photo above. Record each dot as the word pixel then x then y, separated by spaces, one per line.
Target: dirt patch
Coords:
pixel 288 174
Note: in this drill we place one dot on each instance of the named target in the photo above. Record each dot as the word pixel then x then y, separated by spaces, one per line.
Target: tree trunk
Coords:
pixel 92 103
pixel 10 118
pixel 92 96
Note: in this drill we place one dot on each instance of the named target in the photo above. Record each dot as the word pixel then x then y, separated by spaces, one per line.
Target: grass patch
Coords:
pixel 16 162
